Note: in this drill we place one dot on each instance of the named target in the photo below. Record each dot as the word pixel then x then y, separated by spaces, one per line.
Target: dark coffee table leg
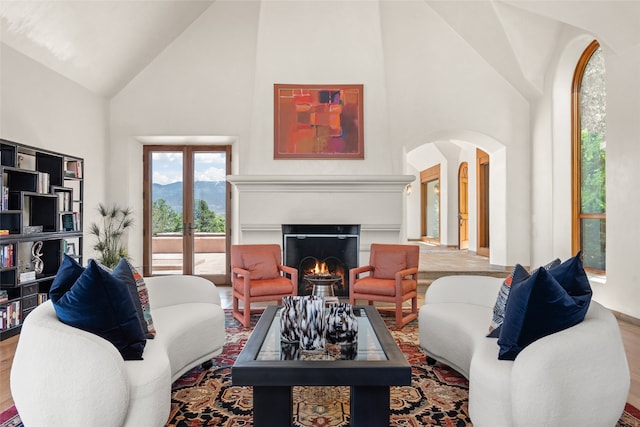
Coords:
pixel 272 406
pixel 370 406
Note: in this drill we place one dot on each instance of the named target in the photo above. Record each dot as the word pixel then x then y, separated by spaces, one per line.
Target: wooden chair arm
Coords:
pixel 240 272
pixel 288 270
pixel 360 270
pixel 407 272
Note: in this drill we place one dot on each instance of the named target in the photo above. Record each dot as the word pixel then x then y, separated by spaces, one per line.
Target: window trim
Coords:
pixel 576 153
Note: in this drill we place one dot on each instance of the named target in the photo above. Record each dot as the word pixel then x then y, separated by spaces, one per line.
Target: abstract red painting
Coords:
pixel 318 122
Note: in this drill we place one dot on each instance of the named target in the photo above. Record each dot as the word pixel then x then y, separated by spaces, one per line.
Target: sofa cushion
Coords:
pixel 138 290
pixel 261 265
pixel 193 336
pixel 388 263
pixel 450 332
pixel 149 383
pixel 537 307
pixel 101 304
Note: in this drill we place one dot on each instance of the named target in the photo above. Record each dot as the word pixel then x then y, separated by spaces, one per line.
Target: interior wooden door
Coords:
pixel 463 206
pixel 430 204
pixel 483 202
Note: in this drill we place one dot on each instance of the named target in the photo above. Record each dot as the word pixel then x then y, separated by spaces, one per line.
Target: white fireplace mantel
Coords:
pixel 322 183
pixel 264 202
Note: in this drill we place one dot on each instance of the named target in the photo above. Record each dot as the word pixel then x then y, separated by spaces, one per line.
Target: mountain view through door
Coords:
pixel 187 209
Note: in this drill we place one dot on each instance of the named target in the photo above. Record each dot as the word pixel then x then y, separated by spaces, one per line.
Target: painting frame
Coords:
pixel 318 121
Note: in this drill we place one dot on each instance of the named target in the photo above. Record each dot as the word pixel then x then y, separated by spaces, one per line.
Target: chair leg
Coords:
pixel 243 316
pixel 402 320
pixel 399 322
pixel 247 313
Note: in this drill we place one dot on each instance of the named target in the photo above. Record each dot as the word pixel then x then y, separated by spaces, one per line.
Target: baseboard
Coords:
pixel 626 318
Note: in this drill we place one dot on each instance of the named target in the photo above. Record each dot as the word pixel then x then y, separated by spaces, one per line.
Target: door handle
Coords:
pixel 187 228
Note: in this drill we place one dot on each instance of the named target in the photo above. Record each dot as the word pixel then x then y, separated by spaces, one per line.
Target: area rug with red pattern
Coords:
pixel 437 396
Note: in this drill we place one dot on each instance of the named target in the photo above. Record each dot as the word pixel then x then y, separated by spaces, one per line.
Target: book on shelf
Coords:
pixel 42 297
pixel 6 255
pixel 4 296
pixel 73 169
pixel 64 201
pixel 4 205
pixel 4 232
pixel 10 315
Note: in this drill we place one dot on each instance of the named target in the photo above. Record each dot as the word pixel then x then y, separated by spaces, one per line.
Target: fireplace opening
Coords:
pixel 321 252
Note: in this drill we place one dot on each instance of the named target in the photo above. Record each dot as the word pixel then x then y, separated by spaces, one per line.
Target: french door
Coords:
pixel 186 206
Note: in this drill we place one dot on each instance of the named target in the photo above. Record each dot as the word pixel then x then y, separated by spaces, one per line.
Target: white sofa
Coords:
pixel 64 376
pixel 575 377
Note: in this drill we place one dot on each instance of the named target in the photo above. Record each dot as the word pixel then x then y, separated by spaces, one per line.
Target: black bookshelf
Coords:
pixel 41 213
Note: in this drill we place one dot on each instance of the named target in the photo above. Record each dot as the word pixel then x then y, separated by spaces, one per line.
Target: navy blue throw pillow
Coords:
pixel 537 307
pixel 101 304
pixel 68 272
pixel 572 277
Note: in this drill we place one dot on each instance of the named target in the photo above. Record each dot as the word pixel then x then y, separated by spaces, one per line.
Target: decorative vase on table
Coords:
pixel 311 323
pixel 342 329
pixel 289 313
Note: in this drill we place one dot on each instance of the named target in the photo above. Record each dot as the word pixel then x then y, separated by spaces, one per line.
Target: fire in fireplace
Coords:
pixel 321 252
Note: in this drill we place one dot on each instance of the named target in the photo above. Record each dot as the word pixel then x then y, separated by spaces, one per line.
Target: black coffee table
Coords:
pixel 379 364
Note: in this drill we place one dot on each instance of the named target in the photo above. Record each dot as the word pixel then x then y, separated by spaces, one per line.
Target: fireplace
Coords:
pixel 321 250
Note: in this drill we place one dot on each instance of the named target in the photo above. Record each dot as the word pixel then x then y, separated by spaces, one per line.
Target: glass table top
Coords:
pixel 368 345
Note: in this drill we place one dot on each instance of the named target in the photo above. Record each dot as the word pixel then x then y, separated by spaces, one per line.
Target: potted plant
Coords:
pixel 109 232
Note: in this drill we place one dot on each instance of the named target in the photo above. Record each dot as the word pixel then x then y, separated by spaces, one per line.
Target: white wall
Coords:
pixel 41 108
pixel 322 42
pixel 201 85
pixel 622 288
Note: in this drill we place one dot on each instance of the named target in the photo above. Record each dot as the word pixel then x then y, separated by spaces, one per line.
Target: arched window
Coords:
pixel 589 154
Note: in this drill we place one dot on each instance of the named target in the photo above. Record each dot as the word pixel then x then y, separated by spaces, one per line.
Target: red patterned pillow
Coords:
pixel 138 289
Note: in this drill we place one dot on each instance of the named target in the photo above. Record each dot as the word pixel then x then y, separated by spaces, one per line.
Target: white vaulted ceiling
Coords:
pixel 102 45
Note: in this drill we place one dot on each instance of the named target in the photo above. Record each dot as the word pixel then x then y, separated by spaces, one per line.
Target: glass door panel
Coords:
pixel 209 213
pixel 433 209
pixel 167 199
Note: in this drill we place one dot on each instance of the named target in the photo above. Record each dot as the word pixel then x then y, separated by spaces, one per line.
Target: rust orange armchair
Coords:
pixel 257 275
pixel 393 277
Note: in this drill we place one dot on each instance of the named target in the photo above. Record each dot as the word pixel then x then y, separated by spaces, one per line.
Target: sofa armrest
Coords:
pixel 82 369
pixel 562 379
pixel 470 289
pixel 180 289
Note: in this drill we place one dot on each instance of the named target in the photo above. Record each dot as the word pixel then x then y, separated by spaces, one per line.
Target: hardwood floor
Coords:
pixel 630 335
